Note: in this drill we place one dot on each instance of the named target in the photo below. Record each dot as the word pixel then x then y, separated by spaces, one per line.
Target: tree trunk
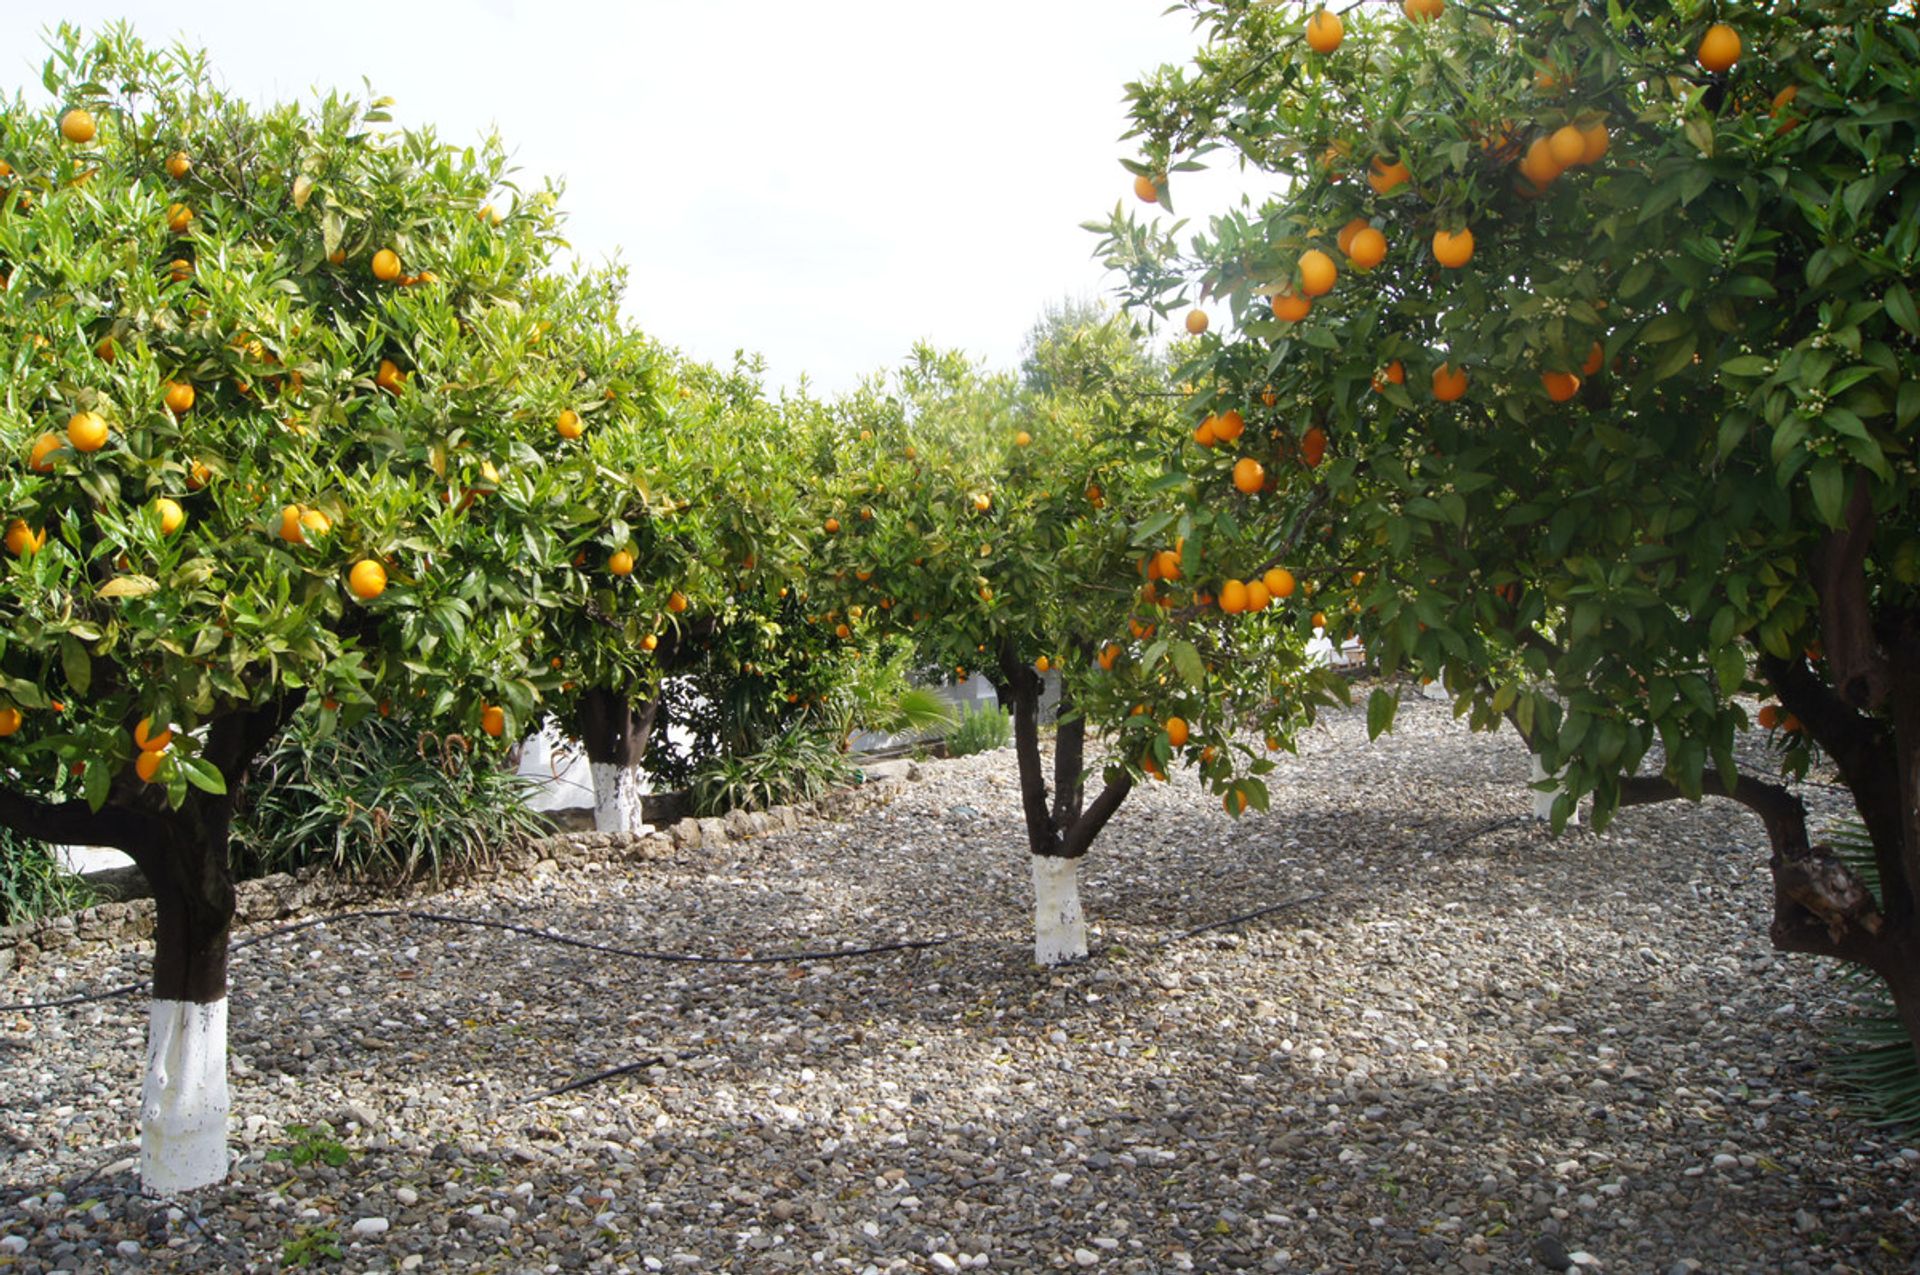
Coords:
pixel 616 737
pixel 1059 926
pixel 1543 801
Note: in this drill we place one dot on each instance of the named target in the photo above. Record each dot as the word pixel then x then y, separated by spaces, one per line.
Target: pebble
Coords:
pixel 1478 1038
pixel 368 1227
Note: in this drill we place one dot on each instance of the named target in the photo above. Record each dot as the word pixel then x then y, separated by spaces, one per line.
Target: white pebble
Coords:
pixel 368 1227
pixel 13 1243
pixel 943 1262
pixel 407 1196
pixel 1059 1180
pixel 127 1248
pixel 1085 1256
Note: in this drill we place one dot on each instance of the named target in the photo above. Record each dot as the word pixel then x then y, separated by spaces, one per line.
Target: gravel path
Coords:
pixel 1480 1049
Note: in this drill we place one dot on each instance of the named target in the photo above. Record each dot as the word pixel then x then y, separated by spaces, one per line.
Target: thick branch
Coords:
pixel 1022 685
pixel 1069 753
pixel 1860 670
pixel 1080 834
pixel 71 822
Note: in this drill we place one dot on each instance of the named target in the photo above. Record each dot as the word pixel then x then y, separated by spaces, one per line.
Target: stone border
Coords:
pixel 313 890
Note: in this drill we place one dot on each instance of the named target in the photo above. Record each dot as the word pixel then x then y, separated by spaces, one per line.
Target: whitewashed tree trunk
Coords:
pixel 184 1100
pixel 1543 801
pixel 1059 926
pixel 617 794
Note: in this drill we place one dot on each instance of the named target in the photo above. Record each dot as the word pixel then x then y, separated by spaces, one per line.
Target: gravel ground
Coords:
pixel 1479 1049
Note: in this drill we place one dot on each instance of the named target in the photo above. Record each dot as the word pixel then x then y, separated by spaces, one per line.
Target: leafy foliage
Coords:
pixel 981 730
pixel 795 766
pixel 33 884
pixel 1877 1063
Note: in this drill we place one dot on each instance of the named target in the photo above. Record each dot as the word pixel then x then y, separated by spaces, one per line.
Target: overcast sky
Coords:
pixel 823 183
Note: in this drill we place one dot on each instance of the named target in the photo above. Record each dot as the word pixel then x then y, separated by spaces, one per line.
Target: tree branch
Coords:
pixel 1861 673
pixel 1080 834
pixel 1022 686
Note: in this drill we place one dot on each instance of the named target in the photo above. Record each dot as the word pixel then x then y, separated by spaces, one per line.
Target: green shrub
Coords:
pixel 981 730
pixel 799 765
pixel 1876 1064
pixel 378 799
pixel 32 882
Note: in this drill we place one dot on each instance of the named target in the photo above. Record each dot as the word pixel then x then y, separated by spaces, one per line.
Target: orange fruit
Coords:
pixel 1289 307
pixel 620 562
pixel 179 165
pixel 1324 32
pixel 1144 187
pixel 981 503
pixel 1257 595
pixel 1594 141
pixel 833 526
pixel 1538 164
pixel 1233 801
pixel 1566 145
pixel 1095 496
pixel 1229 425
pixel 1782 100
pixel 493 720
pixel 179 397
pixel 1791 724
pixel 181 269
pixel 1167 564
pixel 1273 743
pixel 43 447
pixel 1042 664
pixel 1385 177
pixel 290 525
pixel 389 377
pixel 1453 249
pixel 1177 731
pixel 1770 716
pixel 1560 386
pixel 1395 373
pixel 1596 359
pixel 146 741
pixel 1318 620
pixel 386 265
pixel 86 432
pixel 676 601
pixel 1196 321
pixel 170 513
pixel 650 642
pixel 1022 439
pixel 147 765
pixel 1367 249
pixel 1719 47
pixel 1313 446
pixel 1233 597
pixel 1344 240
pixel 1449 383
pixel 1317 273
pixel 568 425
pixel 1148 764
pixel 1422 10
pixel 179 217
pixel 368 579
pixel 1248 475
pixel 22 540
pixel 1109 654
pixel 9 720
pixel 1279 582
pixel 315 521
pixel 77 126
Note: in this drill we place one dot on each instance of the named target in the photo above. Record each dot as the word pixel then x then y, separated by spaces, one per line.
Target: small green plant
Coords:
pixel 1876 1064
pixel 311 1244
pixel 307 1143
pixel 798 765
pixel 32 882
pixel 981 730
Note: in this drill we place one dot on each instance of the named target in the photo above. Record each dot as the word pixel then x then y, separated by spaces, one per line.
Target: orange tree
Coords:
pixel 1016 527
pixel 282 429
pixel 1595 330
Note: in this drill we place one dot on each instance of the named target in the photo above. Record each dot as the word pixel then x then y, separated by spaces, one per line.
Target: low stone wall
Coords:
pixel 312 890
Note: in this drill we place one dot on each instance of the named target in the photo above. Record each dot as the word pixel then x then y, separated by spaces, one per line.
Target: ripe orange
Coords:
pixel 179 165
pixel 368 580
pixel 86 432
pixel 1289 307
pixel 1594 141
pixel 1344 240
pixel 9 720
pixel 1109 654
pixel 77 126
pixel 1422 10
pixel 1596 359
pixel 1144 187
pixel 1177 731
pixel 1248 475
pixel 1152 768
pixel 1166 564
pixel 833 526
pixel 1023 439
pixel 1449 383
pixel 1566 145
pixel 620 562
pixel 180 269
pixel 179 397
pixel 1279 582
pixel 1538 164
pixel 1313 446
pixel 386 265
pixel 1560 386
pixel 1233 801
pixel 22 540
pixel 1394 373
pixel 1385 177
pixel 568 425
pixel 1367 249
pixel 1203 433
pixel 1196 321
pixel 147 765
pixel 1317 273
pixel 1318 620
pixel 389 377
pixel 170 513
pixel 1095 496
pixel 179 217
pixel 43 446
pixel 290 525
pixel 1229 425
pixel 1257 595
pixel 676 602
pixel 1042 664
pixel 1233 597
pixel 493 720
pixel 1453 249
pixel 146 741
pixel 1719 48
pixel 1324 32
pixel 1770 716
pixel 981 503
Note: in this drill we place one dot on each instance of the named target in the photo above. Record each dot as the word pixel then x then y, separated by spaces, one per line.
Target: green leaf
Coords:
pixel 202 774
pixel 76 663
pixel 1186 659
pixel 1901 308
pixel 1381 706
pixel 129 586
pixel 1730 667
pixel 1828 480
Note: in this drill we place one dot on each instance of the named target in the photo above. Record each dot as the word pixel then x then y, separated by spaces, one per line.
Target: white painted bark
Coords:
pixel 1543 801
pixel 1059 926
pixel 184 1100
pixel 617 793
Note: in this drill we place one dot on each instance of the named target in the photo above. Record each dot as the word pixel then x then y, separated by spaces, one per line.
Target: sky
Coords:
pixel 822 183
